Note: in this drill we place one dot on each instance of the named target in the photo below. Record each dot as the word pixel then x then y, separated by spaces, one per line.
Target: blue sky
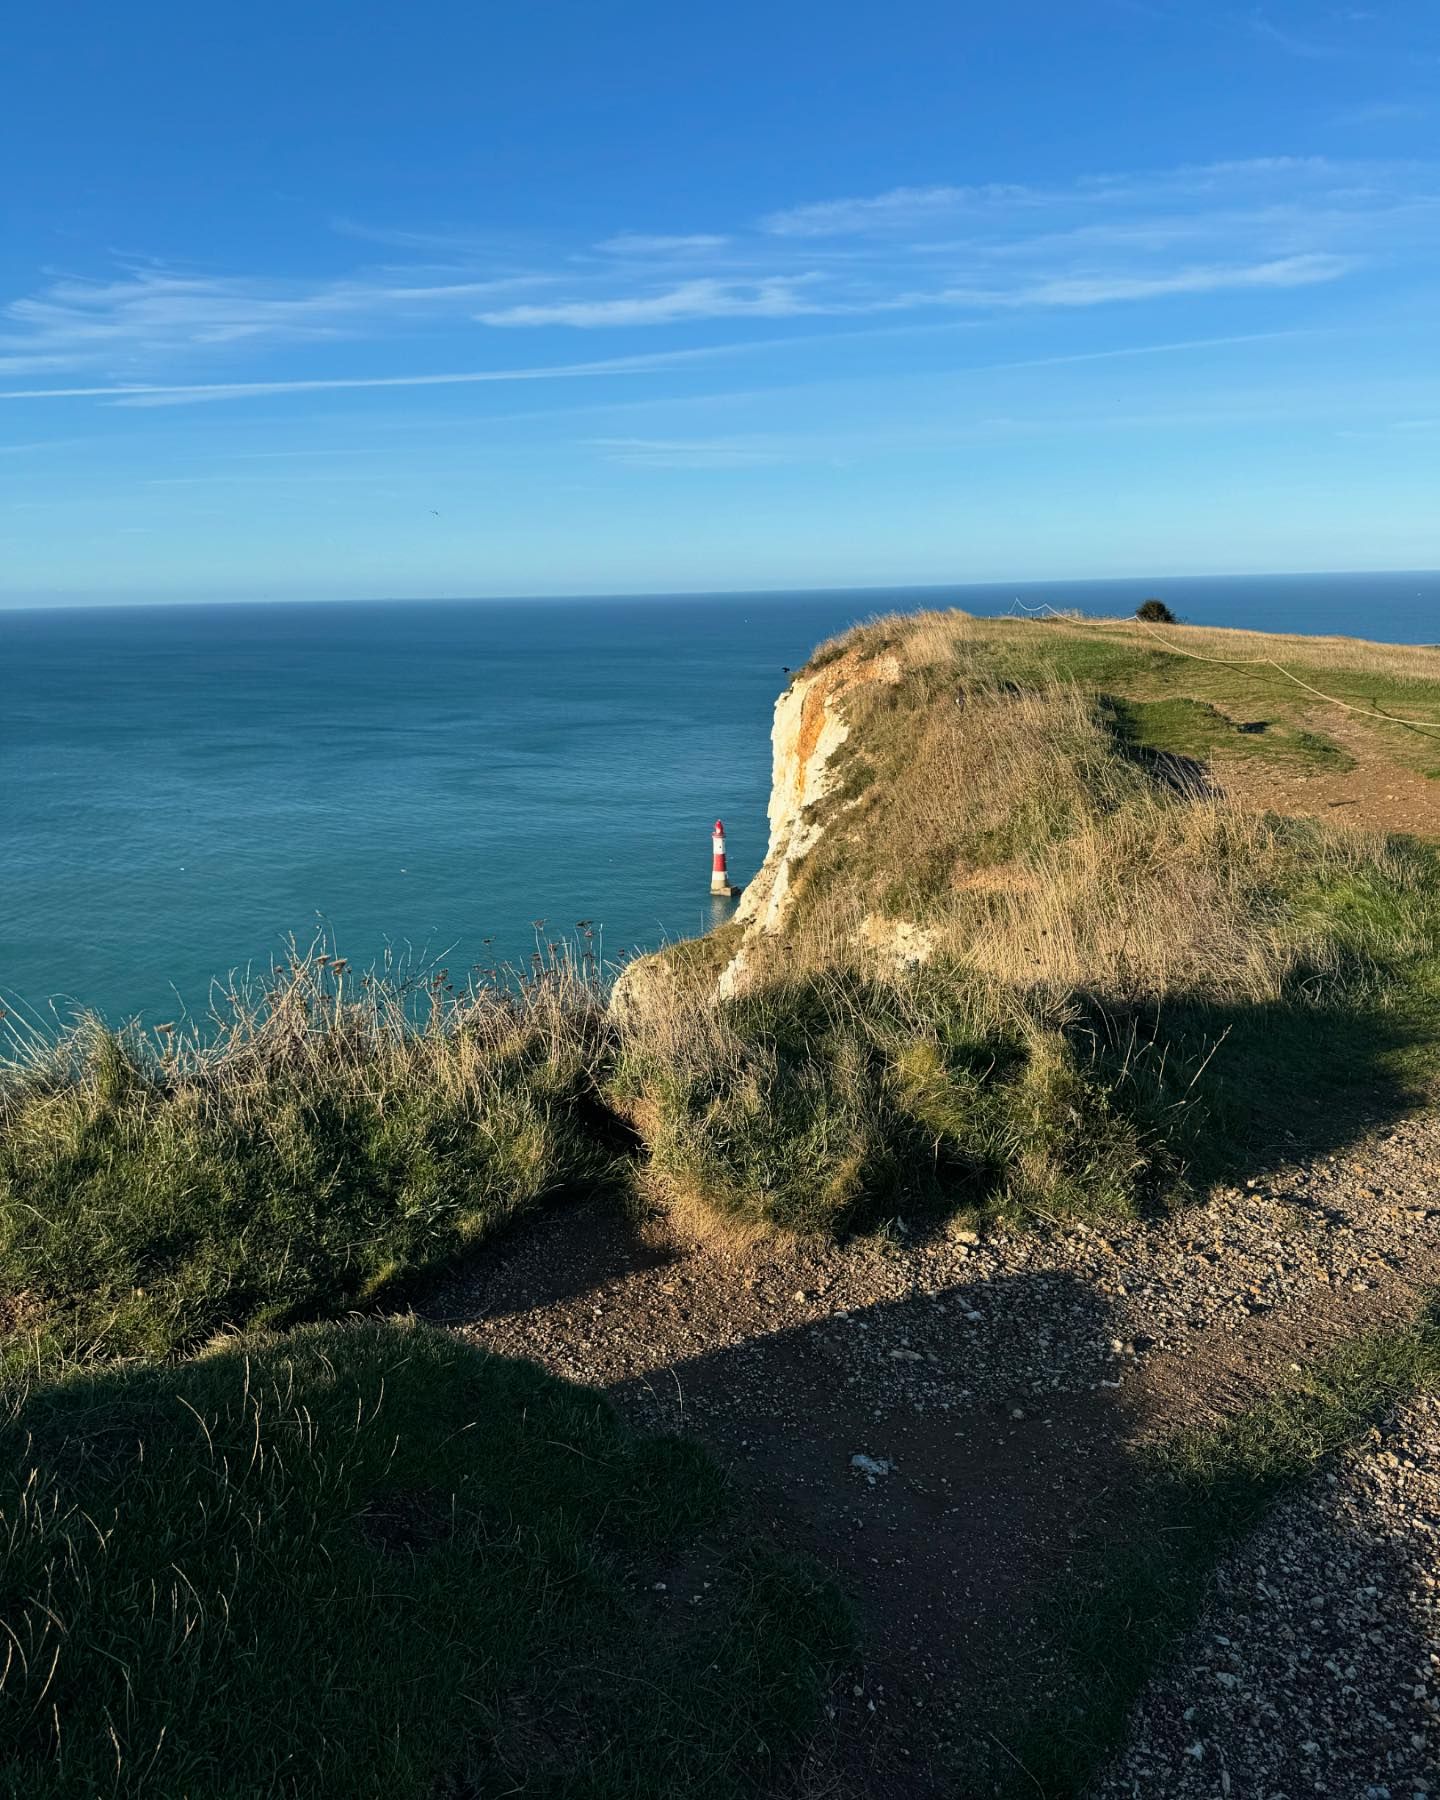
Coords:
pixel 454 299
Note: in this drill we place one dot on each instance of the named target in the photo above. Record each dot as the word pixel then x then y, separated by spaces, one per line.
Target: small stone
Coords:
pixel 870 1465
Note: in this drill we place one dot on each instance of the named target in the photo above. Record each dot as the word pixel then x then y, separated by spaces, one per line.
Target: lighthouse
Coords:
pixel 719 877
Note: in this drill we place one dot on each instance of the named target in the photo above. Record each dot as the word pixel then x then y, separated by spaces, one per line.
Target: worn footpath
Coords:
pixel 937 1419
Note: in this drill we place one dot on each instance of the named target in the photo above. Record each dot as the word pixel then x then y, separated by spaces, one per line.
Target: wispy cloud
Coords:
pixel 903 208
pixel 1013 205
pixel 637 243
pixel 1292 43
pixel 40 445
pixel 782 297
pixel 689 453
pixel 451 244
pixel 156 393
pixel 791 299
pixel 153 335
pixel 157 313
pixel 1384 112
pixel 153 394
pixel 1100 290
pixel 1297 28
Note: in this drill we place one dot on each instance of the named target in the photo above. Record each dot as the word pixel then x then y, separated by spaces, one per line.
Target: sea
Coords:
pixel 186 789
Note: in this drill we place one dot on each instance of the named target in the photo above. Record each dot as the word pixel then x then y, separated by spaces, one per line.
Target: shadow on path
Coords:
pixel 560 1254
pixel 963 1513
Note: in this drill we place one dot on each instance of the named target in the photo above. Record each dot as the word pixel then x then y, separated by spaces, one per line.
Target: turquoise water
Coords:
pixel 183 787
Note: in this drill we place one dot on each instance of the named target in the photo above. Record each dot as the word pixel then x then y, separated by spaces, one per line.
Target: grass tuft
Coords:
pixel 830 1103
pixel 317 1149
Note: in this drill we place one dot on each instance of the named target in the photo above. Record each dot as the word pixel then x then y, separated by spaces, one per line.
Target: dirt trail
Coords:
pixel 1378 792
pixel 996 1391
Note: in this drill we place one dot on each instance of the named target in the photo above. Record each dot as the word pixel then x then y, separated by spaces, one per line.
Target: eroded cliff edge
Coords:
pixel 808 735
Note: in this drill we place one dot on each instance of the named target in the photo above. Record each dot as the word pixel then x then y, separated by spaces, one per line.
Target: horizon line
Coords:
pixel 678 593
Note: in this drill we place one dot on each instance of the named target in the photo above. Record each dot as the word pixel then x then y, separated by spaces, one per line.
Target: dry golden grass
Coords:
pixel 1010 822
pixel 1398 662
pixel 1160 899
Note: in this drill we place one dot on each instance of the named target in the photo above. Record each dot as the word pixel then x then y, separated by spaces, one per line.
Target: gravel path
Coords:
pixel 957 1321
pixel 1317 1667
pixel 939 1420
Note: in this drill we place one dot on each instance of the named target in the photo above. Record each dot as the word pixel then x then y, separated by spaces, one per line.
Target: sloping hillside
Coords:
pixel 1079 904
pixel 923 760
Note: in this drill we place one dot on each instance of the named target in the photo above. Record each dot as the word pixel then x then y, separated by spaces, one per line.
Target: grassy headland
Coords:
pixel 1035 959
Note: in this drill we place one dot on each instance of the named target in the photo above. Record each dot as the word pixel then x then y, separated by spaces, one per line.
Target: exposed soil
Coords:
pixel 1378 792
pixel 939 1420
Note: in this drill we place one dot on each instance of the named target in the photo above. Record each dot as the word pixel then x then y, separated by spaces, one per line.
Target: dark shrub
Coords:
pixel 1155 612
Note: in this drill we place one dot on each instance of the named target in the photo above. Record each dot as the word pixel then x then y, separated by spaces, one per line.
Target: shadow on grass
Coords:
pixel 372 1560
pixel 542 1259
pixel 1238 1092
pixel 1182 772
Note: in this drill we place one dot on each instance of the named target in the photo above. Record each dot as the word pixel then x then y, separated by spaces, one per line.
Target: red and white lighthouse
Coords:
pixel 719 876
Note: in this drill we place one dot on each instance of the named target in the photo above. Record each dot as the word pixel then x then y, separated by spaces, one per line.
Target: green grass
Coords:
pixel 1125 663
pixel 1146 672
pixel 312 1158
pixel 1182 1508
pixel 372 1560
pixel 1332 1056
pixel 832 1103
pixel 1200 730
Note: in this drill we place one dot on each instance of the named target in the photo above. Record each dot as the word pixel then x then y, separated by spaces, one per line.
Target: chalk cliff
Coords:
pixel 810 727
